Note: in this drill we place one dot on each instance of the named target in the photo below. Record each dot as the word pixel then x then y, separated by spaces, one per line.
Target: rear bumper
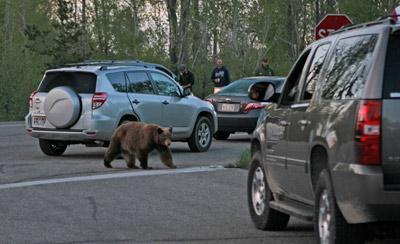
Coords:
pixel 360 194
pixel 237 123
pixel 101 128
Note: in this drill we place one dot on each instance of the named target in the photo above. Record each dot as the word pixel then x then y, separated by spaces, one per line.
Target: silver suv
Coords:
pixel 84 103
pixel 327 148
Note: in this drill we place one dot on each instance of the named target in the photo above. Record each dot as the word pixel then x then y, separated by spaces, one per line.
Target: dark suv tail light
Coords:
pixel 31 99
pixel 253 105
pixel 99 98
pixel 368 131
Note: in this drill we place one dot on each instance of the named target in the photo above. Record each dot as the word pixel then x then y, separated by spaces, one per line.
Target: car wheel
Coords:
pixel 200 140
pixel 221 135
pixel 259 195
pixel 52 148
pixel 330 225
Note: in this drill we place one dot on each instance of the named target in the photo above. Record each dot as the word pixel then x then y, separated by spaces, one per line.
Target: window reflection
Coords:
pixel 164 85
pixel 139 82
pixel 349 67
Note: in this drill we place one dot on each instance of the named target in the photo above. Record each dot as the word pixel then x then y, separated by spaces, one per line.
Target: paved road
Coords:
pixel 74 199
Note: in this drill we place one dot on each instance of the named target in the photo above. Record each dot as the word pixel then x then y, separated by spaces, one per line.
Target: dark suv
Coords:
pixel 327 148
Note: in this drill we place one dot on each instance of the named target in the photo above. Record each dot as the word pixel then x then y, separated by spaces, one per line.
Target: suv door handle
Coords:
pixel 303 122
pixel 284 123
pixel 165 103
pixel 135 101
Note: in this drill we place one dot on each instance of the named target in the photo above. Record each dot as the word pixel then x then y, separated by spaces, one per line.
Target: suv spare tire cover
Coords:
pixel 62 107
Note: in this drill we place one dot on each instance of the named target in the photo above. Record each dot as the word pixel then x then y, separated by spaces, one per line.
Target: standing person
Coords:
pixel 186 78
pixel 220 77
pixel 264 70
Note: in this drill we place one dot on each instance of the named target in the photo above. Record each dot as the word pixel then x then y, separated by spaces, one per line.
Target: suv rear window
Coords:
pixel 391 85
pixel 349 67
pixel 82 82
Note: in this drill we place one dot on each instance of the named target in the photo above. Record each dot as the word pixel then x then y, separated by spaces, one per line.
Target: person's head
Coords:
pixel 182 68
pixel 219 63
pixel 264 62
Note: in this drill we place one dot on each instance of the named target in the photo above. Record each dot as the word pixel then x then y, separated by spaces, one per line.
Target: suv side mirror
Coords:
pixel 187 92
pixel 263 92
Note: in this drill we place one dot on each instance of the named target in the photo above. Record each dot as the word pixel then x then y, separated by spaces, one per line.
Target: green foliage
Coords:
pixel 243 162
pixel 36 35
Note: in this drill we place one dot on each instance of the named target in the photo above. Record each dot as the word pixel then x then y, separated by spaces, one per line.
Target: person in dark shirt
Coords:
pixel 220 76
pixel 186 78
pixel 264 70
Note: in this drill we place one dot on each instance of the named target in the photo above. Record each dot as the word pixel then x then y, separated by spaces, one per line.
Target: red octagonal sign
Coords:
pixel 330 23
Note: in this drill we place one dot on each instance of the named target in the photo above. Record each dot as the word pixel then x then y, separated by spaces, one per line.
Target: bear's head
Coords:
pixel 164 136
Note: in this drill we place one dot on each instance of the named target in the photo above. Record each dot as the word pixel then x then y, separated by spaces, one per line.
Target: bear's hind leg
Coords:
pixel 143 157
pixel 166 156
pixel 130 160
pixel 112 152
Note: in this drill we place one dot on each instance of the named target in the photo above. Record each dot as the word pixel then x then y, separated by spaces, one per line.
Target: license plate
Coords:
pixel 228 107
pixel 39 121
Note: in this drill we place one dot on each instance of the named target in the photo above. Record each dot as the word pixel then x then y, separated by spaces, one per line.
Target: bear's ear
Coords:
pixel 160 131
pixel 170 129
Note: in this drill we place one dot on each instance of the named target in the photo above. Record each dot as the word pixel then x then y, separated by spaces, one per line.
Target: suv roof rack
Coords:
pixel 105 64
pixel 380 21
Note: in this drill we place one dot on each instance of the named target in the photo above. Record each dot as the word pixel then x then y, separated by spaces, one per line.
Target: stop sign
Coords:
pixel 330 23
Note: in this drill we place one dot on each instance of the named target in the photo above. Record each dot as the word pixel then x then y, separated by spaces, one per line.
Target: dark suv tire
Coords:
pixel 259 195
pixel 330 225
pixel 52 148
pixel 201 138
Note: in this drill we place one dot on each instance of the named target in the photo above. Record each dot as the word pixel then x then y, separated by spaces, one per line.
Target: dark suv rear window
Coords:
pixel 349 67
pixel 82 82
pixel 391 85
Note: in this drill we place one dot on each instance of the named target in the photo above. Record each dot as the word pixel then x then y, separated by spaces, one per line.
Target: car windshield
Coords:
pixel 239 86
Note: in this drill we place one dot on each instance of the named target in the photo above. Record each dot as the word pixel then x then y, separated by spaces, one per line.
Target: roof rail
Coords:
pixel 103 63
pixel 382 20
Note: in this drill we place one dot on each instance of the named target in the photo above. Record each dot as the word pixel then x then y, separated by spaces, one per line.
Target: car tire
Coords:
pixel 221 135
pixel 52 148
pixel 259 195
pixel 329 225
pixel 201 138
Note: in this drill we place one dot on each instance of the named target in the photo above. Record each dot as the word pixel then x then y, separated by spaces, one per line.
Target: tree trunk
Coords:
pixel 7 25
pixel 184 30
pixel 173 31
pixel 84 29
pixel 317 13
pixel 291 32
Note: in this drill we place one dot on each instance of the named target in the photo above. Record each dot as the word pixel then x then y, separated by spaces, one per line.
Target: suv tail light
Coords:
pixel 253 105
pixel 31 99
pixel 368 132
pixel 99 98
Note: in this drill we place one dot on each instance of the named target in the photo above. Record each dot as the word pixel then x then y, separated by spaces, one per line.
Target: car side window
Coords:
pixel 291 88
pixel 139 82
pixel 164 85
pixel 117 80
pixel 314 71
pixel 349 67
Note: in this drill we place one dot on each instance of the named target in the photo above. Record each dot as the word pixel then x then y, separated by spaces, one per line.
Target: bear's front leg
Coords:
pixel 143 157
pixel 166 156
pixel 130 160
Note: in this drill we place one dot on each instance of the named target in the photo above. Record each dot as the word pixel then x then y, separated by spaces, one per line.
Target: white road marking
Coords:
pixel 113 176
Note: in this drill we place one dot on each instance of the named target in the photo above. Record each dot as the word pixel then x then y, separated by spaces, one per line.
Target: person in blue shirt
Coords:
pixel 220 76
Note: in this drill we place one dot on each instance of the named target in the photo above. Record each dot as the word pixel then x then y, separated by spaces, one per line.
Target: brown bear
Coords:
pixel 139 139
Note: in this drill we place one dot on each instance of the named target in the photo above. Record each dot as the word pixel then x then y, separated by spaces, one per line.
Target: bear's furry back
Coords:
pixel 137 136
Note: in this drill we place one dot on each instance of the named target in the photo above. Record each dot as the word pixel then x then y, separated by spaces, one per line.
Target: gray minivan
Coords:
pixel 84 103
pixel 327 149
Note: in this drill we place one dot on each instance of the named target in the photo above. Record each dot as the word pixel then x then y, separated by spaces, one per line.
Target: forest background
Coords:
pixel 36 35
